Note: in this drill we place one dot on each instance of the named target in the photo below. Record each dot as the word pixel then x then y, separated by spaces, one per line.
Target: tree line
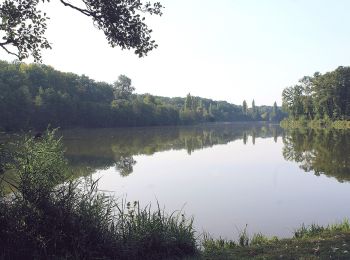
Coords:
pixel 322 96
pixel 36 95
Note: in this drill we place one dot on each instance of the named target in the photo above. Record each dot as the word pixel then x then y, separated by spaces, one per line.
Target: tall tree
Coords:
pixel 188 102
pixel 253 105
pixel 254 110
pixel 292 99
pixel 245 108
pixel 321 96
pixel 273 115
pixel 122 87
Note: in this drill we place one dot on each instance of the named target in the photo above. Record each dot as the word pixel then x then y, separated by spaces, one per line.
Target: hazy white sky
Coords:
pixel 224 49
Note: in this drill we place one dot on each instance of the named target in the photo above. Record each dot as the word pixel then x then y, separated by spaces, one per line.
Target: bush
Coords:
pixel 50 216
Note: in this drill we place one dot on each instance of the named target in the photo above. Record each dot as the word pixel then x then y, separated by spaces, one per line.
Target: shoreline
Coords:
pixel 311 242
pixel 315 124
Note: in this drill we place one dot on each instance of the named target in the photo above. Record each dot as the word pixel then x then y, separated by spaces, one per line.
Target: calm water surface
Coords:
pixel 224 175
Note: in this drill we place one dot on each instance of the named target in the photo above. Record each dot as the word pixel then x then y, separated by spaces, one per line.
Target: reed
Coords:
pixel 47 215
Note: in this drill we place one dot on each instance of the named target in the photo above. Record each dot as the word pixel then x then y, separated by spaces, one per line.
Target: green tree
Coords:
pixel 149 99
pixel 254 110
pixel 292 99
pixel 245 108
pixel 122 88
pixel 274 108
pixel 211 109
pixel 23 25
pixel 273 115
pixel 321 96
pixel 188 102
pixel 35 95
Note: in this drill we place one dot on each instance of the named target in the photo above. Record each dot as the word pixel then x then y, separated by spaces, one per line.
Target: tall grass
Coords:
pixel 210 244
pixel 315 230
pixel 50 216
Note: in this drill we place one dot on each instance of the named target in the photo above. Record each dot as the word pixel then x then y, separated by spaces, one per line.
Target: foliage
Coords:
pixel 210 244
pixel 34 96
pixel 254 110
pixel 316 230
pixel 259 239
pixel 324 97
pixel 122 88
pixel 23 25
pixel 243 237
pixel 40 165
pixel 245 107
pixel 311 242
pixel 324 246
pixel 47 218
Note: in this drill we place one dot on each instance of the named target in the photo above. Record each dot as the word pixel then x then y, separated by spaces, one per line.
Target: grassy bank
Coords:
pixel 313 242
pixel 315 124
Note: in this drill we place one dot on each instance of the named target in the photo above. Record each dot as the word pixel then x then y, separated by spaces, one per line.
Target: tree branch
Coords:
pixel 83 11
pixel 2 45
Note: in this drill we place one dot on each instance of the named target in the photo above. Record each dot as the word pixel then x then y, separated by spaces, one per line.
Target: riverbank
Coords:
pixel 315 124
pixel 313 242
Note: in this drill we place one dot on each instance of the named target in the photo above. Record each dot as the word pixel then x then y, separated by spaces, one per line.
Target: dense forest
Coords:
pixel 322 96
pixel 35 96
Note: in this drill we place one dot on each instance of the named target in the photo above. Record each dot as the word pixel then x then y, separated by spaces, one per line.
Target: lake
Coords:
pixel 224 175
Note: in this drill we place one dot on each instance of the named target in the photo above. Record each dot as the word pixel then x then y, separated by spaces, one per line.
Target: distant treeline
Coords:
pixel 321 97
pixel 35 96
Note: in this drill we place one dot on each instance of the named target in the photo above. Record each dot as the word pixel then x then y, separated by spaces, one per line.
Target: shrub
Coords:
pixel 50 216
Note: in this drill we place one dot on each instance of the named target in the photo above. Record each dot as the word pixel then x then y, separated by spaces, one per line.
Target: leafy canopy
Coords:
pixel 122 87
pixel 23 24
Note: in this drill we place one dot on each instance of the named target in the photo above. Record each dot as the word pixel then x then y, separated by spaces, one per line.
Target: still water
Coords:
pixel 224 175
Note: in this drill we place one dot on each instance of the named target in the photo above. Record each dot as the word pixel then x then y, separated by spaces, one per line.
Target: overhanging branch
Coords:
pixel 83 11
pixel 2 45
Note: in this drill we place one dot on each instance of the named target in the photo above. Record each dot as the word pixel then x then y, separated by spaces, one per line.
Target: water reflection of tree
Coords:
pixel 105 148
pixel 322 152
pixel 125 165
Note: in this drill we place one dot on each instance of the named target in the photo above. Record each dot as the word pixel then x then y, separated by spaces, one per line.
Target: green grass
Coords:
pixel 308 242
pixel 314 229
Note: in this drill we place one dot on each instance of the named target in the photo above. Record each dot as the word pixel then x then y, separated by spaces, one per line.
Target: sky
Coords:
pixel 231 50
